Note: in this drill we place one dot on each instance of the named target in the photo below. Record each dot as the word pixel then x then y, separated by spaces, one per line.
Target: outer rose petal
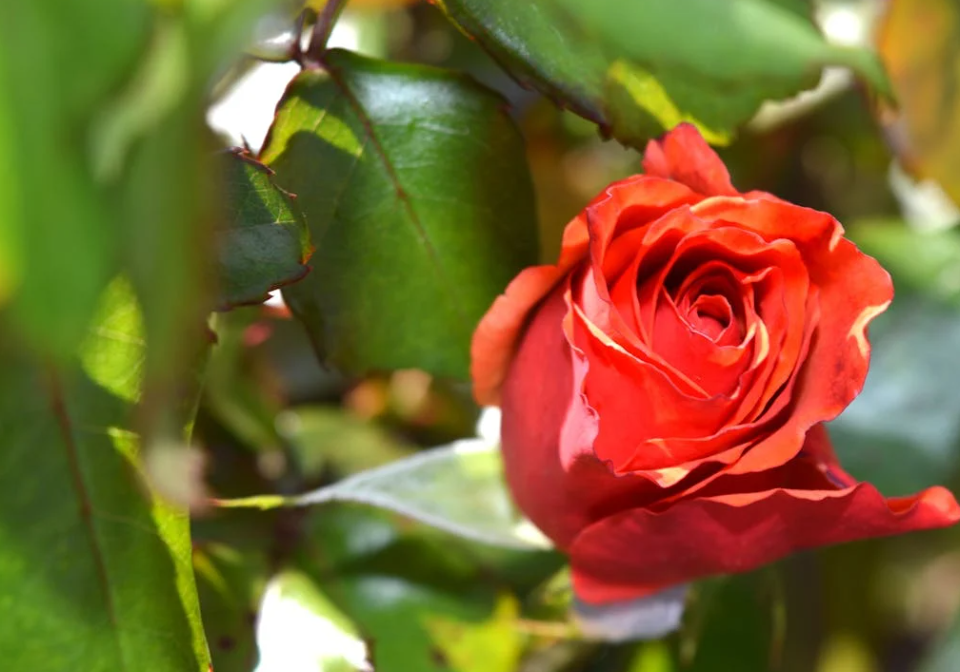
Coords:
pixel 639 551
pixel 683 155
pixel 547 433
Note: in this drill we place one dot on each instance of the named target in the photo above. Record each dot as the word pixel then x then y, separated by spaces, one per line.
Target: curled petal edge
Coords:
pixel 639 551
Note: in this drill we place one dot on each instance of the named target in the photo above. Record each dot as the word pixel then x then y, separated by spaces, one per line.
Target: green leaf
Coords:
pixel 735 623
pixel 926 261
pixel 458 488
pixel 58 230
pixel 95 572
pixel 422 602
pixel 265 242
pixel 419 201
pixel 639 68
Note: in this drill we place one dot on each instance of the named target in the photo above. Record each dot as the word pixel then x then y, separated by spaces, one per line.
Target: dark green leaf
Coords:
pixel 639 68
pixel 264 242
pixel 95 572
pixel 419 201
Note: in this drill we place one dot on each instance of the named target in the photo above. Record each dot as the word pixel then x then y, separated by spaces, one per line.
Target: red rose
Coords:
pixel 663 386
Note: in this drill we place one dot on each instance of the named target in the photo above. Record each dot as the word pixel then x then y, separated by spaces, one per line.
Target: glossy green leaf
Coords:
pixel 640 68
pixel 458 488
pixel 264 242
pixel 95 572
pixel 419 201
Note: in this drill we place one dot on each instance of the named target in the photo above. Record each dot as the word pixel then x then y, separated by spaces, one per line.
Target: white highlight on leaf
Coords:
pixel 245 113
pixel 293 636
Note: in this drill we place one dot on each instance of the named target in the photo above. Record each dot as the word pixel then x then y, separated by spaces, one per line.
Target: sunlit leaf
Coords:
pixel 95 571
pixel 419 201
pixel 639 68
pixel 491 646
pixel 925 73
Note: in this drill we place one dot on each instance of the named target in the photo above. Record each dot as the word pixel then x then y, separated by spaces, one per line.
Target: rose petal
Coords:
pixel 631 202
pixel 853 289
pixel 547 432
pixel 683 155
pixel 639 551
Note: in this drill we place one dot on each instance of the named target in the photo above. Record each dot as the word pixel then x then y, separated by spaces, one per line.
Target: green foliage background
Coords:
pixel 140 377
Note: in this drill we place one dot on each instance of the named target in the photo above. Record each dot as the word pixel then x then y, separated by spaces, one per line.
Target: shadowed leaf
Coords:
pixel 264 243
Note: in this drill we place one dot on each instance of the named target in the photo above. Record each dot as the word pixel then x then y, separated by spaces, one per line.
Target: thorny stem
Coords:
pixel 322 27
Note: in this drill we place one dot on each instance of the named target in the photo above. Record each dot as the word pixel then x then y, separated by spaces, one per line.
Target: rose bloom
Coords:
pixel 664 385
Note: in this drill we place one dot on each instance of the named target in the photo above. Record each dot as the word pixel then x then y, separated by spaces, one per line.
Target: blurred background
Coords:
pixel 345 587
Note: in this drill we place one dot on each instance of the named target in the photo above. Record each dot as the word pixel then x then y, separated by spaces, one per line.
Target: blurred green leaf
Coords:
pixel 762 42
pixel 945 656
pixel 639 69
pixel 422 602
pixel 230 584
pixel 493 645
pixel 419 201
pixel 909 406
pixel 95 571
pixel 458 488
pixel 326 437
pixel 923 261
pixel 59 233
pixel 264 242
pixel 734 623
